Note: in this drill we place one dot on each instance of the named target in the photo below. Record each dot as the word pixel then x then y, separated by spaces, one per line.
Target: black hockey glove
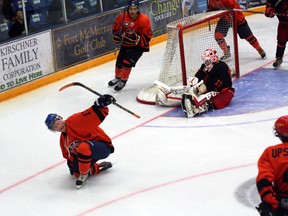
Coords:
pixel 105 100
pixel 265 209
pixel 270 10
pixel 131 38
pixel 117 37
pixel 70 166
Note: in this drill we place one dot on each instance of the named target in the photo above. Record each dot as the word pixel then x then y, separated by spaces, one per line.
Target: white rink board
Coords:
pixel 25 60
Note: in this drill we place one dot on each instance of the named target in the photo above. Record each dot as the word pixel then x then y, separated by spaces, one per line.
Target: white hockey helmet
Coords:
pixel 209 58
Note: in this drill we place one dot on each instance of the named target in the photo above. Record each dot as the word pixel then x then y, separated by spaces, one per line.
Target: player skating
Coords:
pixel 272 178
pixel 82 141
pixel 211 88
pixel 225 23
pixel 132 30
pixel 281 8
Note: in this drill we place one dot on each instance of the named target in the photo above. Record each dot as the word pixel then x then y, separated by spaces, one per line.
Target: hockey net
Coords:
pixel 187 39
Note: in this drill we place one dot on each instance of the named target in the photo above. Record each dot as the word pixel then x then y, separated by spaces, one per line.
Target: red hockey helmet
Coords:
pixel 281 127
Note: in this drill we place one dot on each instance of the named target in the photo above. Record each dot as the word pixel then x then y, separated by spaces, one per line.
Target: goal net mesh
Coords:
pixel 197 35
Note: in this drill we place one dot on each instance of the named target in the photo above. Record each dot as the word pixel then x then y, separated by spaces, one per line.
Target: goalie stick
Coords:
pixel 98 94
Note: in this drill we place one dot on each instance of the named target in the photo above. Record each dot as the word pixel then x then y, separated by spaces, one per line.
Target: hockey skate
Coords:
pixel 104 166
pixel 262 53
pixel 278 62
pixel 82 180
pixel 113 81
pixel 227 56
pixel 97 168
pixel 120 85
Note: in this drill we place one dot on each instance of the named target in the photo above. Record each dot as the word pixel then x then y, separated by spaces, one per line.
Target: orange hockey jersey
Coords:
pixel 272 178
pixel 84 126
pixel 224 5
pixel 141 25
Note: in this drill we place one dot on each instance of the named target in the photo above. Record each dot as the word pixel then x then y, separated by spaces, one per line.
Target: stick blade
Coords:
pixel 137 116
pixel 68 85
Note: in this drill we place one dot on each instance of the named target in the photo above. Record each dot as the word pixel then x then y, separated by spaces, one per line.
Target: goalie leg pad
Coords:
pixel 165 98
pixel 188 105
pixel 193 105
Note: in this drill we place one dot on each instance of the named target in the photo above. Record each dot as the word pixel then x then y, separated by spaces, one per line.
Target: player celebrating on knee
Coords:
pixel 132 30
pixel 82 141
pixel 272 178
pixel 211 88
pixel 224 24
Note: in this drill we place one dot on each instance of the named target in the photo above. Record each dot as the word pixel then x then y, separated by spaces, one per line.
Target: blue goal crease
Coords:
pixel 263 89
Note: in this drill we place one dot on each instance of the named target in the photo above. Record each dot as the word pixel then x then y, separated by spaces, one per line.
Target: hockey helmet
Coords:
pixel 209 58
pixel 133 3
pixel 281 128
pixel 50 120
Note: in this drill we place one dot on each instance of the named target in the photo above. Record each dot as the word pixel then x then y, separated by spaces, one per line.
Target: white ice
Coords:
pixel 168 166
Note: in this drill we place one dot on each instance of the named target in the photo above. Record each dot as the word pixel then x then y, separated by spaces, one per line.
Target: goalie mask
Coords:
pixel 281 128
pixel 209 58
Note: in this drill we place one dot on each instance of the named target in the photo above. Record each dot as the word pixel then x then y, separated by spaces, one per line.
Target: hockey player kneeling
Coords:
pixel 211 88
pixel 82 141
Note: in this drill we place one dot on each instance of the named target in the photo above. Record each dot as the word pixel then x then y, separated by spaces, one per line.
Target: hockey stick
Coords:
pixel 121 26
pixel 256 12
pixel 209 23
pixel 98 94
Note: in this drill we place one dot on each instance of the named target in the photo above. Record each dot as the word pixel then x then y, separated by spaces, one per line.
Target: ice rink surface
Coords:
pixel 166 164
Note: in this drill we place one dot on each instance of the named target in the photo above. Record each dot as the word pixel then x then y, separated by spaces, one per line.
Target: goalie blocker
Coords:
pixel 211 88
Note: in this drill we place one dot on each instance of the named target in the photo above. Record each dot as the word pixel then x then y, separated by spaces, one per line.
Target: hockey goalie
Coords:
pixel 210 88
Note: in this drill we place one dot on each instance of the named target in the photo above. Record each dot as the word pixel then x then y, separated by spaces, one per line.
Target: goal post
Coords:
pixel 187 39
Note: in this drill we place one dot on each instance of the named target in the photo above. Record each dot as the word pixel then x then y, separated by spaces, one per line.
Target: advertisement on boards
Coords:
pixel 25 60
pixel 255 3
pixel 161 12
pixel 83 40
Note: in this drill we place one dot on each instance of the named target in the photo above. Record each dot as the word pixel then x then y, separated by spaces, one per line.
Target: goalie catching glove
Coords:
pixel 131 38
pixel 197 87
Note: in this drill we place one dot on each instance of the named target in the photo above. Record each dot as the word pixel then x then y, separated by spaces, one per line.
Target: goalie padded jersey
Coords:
pixel 84 126
pixel 272 176
pixel 218 79
pixel 141 26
